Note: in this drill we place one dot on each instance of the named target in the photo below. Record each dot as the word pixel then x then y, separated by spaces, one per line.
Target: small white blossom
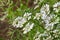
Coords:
pixel 44 16
pixel 49 26
pixel 39 35
pixel 37 16
pixel 27 16
pixel 47 18
pixel 44 12
pixel 45 9
pixel 56 7
pixel 57 20
pixel 49 38
pixel 56 4
pixel 19 21
pixel 28 27
pixel 55 31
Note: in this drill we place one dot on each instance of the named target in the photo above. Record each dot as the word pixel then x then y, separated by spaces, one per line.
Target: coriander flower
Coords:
pixel 39 35
pixel 27 16
pixel 28 27
pixel 55 31
pixel 49 26
pixel 49 38
pixel 56 7
pixel 56 4
pixel 45 9
pixel 19 21
pixel 47 18
pixel 37 16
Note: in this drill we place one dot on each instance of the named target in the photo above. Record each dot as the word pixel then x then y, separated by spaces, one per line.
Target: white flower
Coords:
pixel 37 16
pixel 27 15
pixel 49 38
pixel 39 35
pixel 45 9
pixel 44 16
pixel 49 26
pixel 28 27
pixel 56 7
pixel 56 4
pixel 19 21
pixel 55 31
pixel 44 12
pixel 47 19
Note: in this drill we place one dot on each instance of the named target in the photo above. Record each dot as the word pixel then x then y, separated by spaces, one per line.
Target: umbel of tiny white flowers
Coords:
pixel 39 35
pixel 44 12
pixel 27 15
pixel 28 28
pixel 19 21
pixel 56 7
pixel 45 9
pixel 37 16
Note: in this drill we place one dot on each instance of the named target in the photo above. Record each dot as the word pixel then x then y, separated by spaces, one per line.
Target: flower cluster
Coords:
pixel 28 27
pixel 56 7
pixel 49 21
pixel 48 18
pixel 47 35
pixel 20 21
